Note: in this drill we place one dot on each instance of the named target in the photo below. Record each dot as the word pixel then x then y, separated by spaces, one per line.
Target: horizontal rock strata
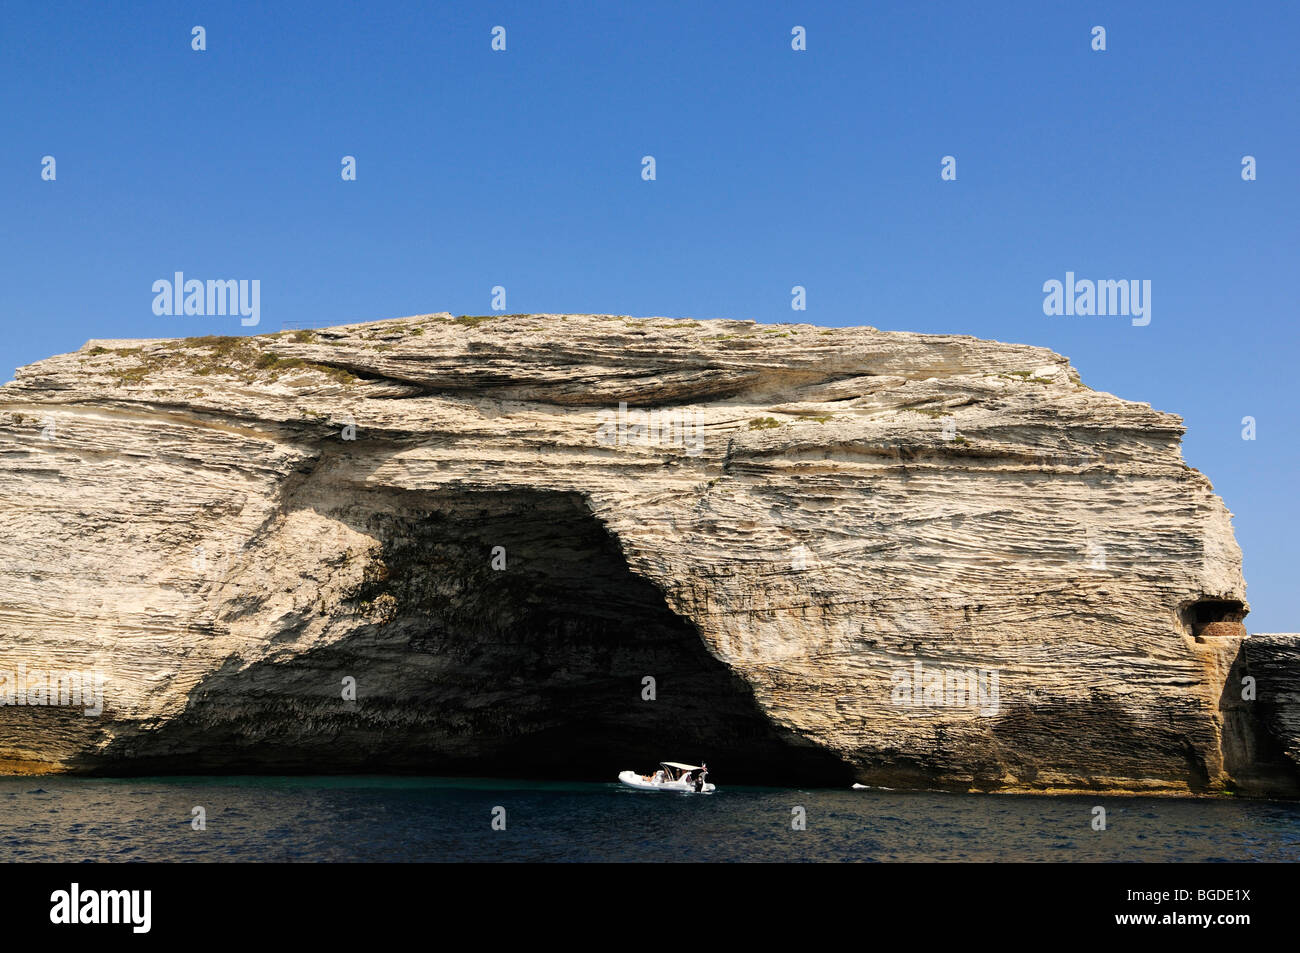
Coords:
pixel 573 544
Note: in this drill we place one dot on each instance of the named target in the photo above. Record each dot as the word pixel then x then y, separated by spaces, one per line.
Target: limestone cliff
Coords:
pixel 902 559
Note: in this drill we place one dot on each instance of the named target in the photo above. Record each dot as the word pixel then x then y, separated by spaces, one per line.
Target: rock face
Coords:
pixel 569 545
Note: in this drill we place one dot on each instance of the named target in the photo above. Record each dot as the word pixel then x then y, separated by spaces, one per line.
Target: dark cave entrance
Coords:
pixel 534 670
pixel 1214 617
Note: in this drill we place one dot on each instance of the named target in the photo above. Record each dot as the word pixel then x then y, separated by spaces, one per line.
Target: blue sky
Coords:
pixel 774 168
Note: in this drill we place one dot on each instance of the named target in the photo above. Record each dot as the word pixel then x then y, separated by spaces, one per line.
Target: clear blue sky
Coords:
pixel 775 168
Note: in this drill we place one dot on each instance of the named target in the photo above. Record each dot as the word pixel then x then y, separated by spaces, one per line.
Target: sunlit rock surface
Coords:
pixel 568 544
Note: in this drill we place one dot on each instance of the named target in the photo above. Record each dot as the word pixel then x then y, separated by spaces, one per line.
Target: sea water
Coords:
pixel 438 819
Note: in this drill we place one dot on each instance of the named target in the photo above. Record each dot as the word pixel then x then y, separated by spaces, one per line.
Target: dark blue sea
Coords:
pixel 437 819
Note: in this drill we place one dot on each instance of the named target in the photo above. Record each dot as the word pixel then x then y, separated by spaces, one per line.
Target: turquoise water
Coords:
pixel 428 819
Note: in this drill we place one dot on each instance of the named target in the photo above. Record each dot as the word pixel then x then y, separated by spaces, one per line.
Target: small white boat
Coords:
pixel 671 776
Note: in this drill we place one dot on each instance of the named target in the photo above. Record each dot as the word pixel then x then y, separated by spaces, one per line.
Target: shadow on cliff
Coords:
pixel 1256 726
pixel 534 667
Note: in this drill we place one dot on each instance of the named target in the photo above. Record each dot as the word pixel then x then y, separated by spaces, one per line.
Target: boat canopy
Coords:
pixel 681 767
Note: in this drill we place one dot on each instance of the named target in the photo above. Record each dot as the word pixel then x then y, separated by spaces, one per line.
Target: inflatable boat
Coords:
pixel 672 776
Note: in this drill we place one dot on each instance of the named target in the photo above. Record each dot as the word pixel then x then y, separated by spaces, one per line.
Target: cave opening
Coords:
pixel 494 633
pixel 1214 618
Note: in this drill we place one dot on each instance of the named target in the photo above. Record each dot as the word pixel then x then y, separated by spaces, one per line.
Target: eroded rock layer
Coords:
pixel 568 545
